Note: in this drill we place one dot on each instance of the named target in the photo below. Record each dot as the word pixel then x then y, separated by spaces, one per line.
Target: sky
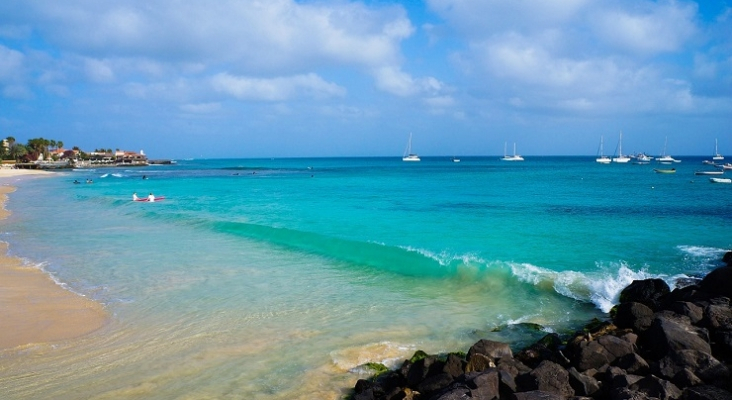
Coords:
pixel 331 78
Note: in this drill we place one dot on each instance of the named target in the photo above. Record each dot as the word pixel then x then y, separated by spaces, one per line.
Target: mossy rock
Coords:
pixel 418 355
pixel 377 368
pixel 523 326
pixel 593 325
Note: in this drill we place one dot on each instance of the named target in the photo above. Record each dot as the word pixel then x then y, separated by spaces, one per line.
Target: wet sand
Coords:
pixel 33 308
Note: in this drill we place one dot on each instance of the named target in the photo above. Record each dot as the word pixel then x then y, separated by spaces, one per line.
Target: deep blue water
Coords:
pixel 253 277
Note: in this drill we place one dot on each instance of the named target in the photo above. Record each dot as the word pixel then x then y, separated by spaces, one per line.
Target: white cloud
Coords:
pixel 393 80
pixel 275 89
pixel 98 71
pixel 11 64
pixel 650 28
pixel 201 108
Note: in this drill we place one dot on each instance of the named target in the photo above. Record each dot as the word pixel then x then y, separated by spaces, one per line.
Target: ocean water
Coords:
pixel 278 278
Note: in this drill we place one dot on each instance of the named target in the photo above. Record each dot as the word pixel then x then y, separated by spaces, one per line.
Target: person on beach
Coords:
pixel 151 198
pixel 134 197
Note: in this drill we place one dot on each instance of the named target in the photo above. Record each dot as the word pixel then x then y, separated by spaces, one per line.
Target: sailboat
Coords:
pixel 603 159
pixel 514 157
pixel 621 158
pixel 666 159
pixel 408 155
pixel 717 156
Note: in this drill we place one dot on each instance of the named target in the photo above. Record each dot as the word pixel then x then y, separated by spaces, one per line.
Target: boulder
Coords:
pixel 718 282
pixel 688 309
pixel 718 317
pixel 596 353
pixel 632 363
pixel 686 378
pixel 547 377
pixel 583 385
pixel 702 364
pixel 512 366
pixel 627 394
pixel 727 258
pixel 657 387
pixel 458 392
pixel 454 365
pixel 479 362
pixel 421 369
pixel 705 393
pixel 434 384
pixel 490 349
pixel 647 291
pixel 634 315
pixel 484 385
pixel 668 334
pixel 537 395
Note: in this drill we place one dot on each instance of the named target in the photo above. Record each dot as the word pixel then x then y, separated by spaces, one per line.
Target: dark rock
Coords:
pixel 484 385
pixel 583 385
pixel 434 383
pixel 421 369
pixel 453 393
pixel 512 366
pixel 718 282
pixel 506 383
pixel 490 349
pixel 706 393
pixel 668 334
pixel 727 258
pixel 402 394
pixel 633 364
pixel 718 317
pixel 479 362
pixel 722 344
pixel 691 310
pixel 686 378
pixel 547 377
pixel 367 394
pixel 604 350
pixel 627 394
pixel 537 395
pixel 646 291
pixel 702 364
pixel 633 315
pixel 454 365
pixel 656 387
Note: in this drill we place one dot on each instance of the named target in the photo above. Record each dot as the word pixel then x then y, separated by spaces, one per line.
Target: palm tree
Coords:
pixel 60 144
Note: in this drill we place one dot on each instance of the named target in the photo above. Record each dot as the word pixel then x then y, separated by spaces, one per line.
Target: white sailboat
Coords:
pixel 717 156
pixel 603 159
pixel 621 158
pixel 514 157
pixel 408 155
pixel 666 159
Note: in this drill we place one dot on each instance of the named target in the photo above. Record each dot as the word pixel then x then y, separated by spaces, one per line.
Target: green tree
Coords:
pixel 17 151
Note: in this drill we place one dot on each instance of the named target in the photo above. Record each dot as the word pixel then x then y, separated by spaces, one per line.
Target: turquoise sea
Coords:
pixel 277 278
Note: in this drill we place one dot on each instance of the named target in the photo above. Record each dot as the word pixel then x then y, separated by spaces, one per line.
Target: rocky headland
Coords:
pixel 656 344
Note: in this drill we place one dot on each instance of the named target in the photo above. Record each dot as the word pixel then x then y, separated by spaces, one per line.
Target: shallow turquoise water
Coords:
pixel 277 278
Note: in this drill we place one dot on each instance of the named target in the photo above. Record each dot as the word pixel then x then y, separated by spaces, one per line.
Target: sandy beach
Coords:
pixel 32 306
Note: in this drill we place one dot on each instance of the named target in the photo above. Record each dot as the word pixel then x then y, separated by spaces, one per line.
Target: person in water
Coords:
pixel 151 197
pixel 134 197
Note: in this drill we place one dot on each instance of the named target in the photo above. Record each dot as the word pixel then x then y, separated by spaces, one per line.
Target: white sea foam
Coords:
pixel 104 176
pixel 701 251
pixel 601 288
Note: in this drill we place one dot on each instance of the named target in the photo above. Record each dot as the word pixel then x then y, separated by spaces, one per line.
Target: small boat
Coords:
pixel 514 157
pixel 603 159
pixel 643 158
pixel 408 155
pixel 717 156
pixel 455 159
pixel 727 166
pixel 666 159
pixel 621 158
pixel 720 180
pixel 665 171
pixel 708 172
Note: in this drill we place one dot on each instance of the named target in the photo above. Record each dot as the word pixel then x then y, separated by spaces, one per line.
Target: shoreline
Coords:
pixel 36 307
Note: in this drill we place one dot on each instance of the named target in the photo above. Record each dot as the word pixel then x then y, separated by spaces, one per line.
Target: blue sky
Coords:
pixel 283 78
